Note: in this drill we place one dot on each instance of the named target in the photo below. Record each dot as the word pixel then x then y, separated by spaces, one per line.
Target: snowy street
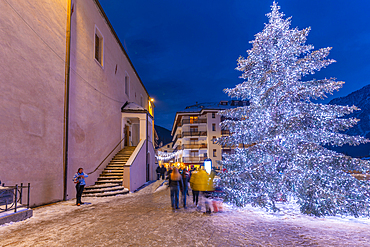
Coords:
pixel 145 218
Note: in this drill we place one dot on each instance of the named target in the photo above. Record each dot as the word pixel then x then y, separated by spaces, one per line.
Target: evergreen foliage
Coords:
pixel 279 137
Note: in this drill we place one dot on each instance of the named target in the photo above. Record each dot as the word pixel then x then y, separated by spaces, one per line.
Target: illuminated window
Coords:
pixel 193 119
pixel 99 46
pixel 214 153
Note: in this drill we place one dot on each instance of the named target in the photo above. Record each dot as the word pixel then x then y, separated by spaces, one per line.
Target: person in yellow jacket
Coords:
pixel 200 181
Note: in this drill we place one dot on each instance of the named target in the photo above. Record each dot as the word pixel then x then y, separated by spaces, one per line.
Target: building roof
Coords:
pixel 199 108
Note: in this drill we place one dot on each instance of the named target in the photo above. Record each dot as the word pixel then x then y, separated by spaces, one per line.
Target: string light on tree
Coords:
pixel 281 135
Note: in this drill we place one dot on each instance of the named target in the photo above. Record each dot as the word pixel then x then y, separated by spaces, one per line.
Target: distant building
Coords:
pixel 107 99
pixel 195 129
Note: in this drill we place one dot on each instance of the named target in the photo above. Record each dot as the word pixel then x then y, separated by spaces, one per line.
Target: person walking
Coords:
pixel 79 180
pixel 175 180
pixel 184 186
pixel 163 171
pixel 194 186
pixel 158 171
pixel 199 183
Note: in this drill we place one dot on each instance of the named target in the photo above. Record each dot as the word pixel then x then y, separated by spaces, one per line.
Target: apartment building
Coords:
pixel 194 131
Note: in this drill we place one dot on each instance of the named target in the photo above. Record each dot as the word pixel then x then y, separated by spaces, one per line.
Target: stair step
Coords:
pixel 109 177
pixel 102 190
pixel 108 181
pixel 114 173
pixel 113 193
pixel 116 165
pixel 101 186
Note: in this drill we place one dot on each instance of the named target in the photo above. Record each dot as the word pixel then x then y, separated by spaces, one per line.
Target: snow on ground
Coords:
pixel 290 212
pixel 147 213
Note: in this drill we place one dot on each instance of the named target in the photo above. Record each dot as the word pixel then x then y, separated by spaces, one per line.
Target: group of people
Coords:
pixel 200 183
pixel 161 170
pixel 178 181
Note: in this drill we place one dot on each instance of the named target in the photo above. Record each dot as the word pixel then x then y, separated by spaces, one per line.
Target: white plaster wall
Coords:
pixel 32 67
pixel 32 53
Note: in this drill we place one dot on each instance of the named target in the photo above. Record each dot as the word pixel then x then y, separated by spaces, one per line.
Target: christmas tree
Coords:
pixel 279 138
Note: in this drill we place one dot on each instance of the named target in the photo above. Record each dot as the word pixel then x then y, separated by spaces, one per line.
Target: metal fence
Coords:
pixel 12 197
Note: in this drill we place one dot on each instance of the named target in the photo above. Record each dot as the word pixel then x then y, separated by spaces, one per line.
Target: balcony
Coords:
pixel 193 121
pixel 194 133
pixel 177 137
pixel 193 159
pixel 194 146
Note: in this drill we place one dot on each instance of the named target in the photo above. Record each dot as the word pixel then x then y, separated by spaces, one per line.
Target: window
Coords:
pixel 193 119
pixel 99 46
pixel 205 155
pixel 168 146
pixel 214 139
pixel 213 115
pixel 213 127
pixel 193 141
pixel 127 85
pixel 214 153
pixel 194 153
pixel 193 129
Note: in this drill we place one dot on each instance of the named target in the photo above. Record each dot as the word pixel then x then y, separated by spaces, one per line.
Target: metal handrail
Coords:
pixel 17 197
pixel 193 121
pixel 194 146
pixel 106 157
pixel 194 133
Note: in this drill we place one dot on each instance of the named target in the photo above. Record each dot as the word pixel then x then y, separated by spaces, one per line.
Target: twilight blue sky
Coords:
pixel 186 51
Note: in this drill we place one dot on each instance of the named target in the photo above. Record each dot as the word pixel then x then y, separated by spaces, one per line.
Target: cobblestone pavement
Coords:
pixel 146 219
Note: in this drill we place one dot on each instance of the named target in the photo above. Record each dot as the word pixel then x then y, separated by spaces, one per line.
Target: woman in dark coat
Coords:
pixel 184 185
pixel 175 180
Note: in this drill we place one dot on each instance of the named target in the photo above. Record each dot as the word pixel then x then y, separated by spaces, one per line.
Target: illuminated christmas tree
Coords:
pixel 279 138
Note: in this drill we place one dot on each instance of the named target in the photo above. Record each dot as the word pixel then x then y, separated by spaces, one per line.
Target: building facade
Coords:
pixel 194 131
pixel 108 104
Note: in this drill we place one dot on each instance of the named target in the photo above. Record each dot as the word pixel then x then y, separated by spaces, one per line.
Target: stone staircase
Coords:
pixel 110 180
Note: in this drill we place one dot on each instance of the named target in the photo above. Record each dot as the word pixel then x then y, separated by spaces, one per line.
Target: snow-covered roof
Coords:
pixel 131 106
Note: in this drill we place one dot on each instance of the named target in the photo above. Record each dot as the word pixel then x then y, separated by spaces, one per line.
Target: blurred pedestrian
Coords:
pixel 79 180
pixel 163 171
pixel 175 180
pixel 169 171
pixel 158 171
pixel 199 182
pixel 184 186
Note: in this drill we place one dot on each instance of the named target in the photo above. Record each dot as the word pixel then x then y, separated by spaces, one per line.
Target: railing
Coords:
pixel 193 159
pixel 194 133
pixel 106 157
pixel 11 197
pixel 194 146
pixel 177 137
pixel 193 121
